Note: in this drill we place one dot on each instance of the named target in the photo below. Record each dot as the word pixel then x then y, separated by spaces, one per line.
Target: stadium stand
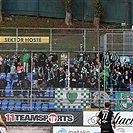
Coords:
pixel 55 76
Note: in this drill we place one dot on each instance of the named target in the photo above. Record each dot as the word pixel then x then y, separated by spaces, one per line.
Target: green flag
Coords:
pixel 124 102
pixel 71 98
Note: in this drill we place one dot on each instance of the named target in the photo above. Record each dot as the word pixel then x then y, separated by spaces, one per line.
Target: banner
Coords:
pixel 121 118
pixel 99 98
pixel 24 39
pixel 125 101
pixel 43 119
pixel 72 97
pixel 89 129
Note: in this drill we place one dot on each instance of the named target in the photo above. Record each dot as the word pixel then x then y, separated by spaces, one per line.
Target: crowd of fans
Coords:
pixel 86 70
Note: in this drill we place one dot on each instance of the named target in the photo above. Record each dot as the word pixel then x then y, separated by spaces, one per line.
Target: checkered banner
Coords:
pixel 71 97
pixel 125 101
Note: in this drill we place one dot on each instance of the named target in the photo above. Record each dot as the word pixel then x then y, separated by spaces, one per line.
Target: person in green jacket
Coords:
pixel 104 76
pixel 26 57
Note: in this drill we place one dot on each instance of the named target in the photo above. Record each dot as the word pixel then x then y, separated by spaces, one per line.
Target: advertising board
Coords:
pixel 82 129
pixel 121 118
pixel 43 118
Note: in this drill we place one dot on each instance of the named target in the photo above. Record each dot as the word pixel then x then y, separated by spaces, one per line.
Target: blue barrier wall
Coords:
pixel 114 11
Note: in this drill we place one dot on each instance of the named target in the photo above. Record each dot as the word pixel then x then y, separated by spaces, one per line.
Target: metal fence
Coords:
pixel 68 41
pixel 114 11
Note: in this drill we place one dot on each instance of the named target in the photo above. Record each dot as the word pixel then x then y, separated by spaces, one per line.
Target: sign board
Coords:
pixel 24 39
pixel 121 118
pixel 88 129
pixel 43 118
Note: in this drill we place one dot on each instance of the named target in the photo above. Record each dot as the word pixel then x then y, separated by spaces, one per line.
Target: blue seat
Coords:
pixel 8 87
pixel 58 109
pixel 78 110
pixel 131 88
pixel 4 102
pixel 3 74
pixel 38 105
pixel 7 93
pixel 11 93
pixel 44 107
pixel 65 110
pixel 17 107
pixel 40 94
pixel 11 107
pixel 72 110
pixel 11 102
pixel 8 77
pixel 46 94
pixel 51 104
pixel 51 93
pixel 3 107
pixel 31 107
pixel 29 76
pixel 25 107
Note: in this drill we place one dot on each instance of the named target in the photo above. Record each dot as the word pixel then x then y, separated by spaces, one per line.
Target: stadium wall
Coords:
pixel 114 11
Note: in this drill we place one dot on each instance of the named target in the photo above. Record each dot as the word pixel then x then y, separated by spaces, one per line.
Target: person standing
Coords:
pixel 3 127
pixel 3 84
pixel 16 87
pixel 7 63
pixel 105 119
pixel 26 85
pixel 1 61
pixel 26 57
pixel 12 72
pixel 20 67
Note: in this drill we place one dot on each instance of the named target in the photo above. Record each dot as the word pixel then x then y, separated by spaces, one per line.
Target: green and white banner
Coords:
pixel 125 101
pixel 72 97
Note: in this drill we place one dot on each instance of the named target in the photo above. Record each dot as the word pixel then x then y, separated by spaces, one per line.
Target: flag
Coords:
pixel 124 101
pixel 72 97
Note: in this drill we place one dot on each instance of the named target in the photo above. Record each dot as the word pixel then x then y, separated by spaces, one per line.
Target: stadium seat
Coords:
pixel 131 88
pixel 18 105
pixel 29 76
pixel 7 93
pixel 8 77
pixel 25 107
pixel 51 94
pixel 31 107
pixel 72 110
pixel 46 94
pixel 10 107
pixel 3 107
pixel 58 109
pixel 51 105
pixel 78 110
pixel 3 74
pixel 4 102
pixel 44 107
pixel 64 110
pixel 11 102
pixel 38 105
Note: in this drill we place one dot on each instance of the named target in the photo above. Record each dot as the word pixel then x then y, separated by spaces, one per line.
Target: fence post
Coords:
pixel 17 40
pixel 51 39
pixel 68 70
pixel 84 39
